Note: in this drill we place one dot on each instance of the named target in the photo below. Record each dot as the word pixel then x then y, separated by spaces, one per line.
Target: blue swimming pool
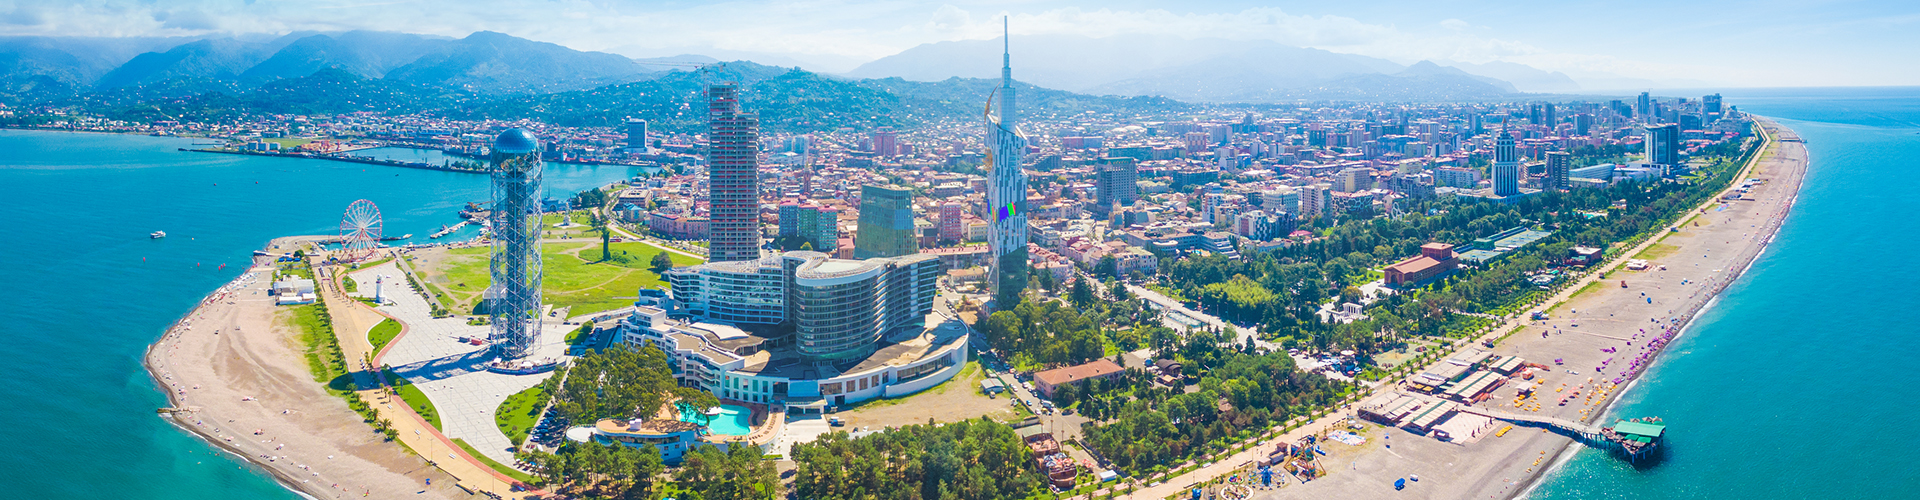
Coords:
pixel 731 421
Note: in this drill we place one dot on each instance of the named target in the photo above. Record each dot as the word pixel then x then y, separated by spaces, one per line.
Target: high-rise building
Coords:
pixel 886 142
pixel 1284 199
pixel 953 226
pixel 840 309
pixel 1663 144
pixel 886 223
pixel 513 299
pixel 1314 200
pixel 1644 109
pixel 637 135
pixel 1354 180
pixel 1547 113
pixel 1116 184
pixel 1006 192
pixel 1582 123
pixel 1506 166
pixel 1558 164
pixel 733 178
pixel 818 226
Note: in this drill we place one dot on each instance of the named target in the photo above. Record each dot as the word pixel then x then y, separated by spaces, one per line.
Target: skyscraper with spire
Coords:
pixel 1506 165
pixel 1006 188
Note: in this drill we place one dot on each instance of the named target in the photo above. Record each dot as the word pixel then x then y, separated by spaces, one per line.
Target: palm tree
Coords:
pixel 606 236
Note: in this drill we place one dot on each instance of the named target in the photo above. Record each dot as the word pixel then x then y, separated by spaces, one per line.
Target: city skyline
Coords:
pixel 1688 44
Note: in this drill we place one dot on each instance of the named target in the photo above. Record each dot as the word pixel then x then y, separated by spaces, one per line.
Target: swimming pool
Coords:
pixel 732 420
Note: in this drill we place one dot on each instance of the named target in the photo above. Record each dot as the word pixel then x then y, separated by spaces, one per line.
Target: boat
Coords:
pixel 157 235
pixel 397 238
pixel 1400 484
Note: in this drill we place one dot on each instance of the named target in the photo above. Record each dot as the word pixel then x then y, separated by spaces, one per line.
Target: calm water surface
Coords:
pixel 88 291
pixel 1801 381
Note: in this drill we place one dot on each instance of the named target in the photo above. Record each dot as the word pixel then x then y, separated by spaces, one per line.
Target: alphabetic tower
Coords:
pixel 513 301
pixel 1006 191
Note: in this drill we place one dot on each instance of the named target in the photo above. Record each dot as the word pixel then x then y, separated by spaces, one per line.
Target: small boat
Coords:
pixel 157 235
pixel 1400 484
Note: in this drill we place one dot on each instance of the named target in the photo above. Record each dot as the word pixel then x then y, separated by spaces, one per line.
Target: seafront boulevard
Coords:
pixel 1592 320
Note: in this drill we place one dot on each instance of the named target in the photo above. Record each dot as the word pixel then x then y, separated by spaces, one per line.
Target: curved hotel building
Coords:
pixel 824 331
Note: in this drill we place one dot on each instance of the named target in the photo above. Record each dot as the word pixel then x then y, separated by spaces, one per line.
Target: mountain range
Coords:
pixel 485 61
pixel 1211 70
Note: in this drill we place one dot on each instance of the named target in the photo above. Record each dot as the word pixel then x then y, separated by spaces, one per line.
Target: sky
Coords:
pixel 1764 43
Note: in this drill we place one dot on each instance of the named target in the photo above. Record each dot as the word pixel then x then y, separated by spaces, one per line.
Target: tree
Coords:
pixel 1108 266
pixel 1081 293
pixel 1064 395
pixel 740 473
pixel 1350 294
pixel 606 238
pixel 661 262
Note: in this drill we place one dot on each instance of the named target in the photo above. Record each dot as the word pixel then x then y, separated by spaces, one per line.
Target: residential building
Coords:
pixel 1559 164
pixel 733 159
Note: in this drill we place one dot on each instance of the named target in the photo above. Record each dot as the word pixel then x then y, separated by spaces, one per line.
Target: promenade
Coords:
pixel 1715 242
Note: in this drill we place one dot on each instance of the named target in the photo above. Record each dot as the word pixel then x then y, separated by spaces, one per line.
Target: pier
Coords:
pixel 1635 437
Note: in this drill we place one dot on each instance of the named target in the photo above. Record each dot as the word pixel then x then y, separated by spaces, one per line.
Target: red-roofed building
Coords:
pixel 1435 260
pixel 1046 381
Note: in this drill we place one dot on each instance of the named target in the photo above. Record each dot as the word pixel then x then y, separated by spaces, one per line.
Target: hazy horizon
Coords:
pixel 1679 44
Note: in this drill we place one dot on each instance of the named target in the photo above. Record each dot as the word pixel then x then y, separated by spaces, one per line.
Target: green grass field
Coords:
pixel 509 471
pixel 383 333
pixel 583 227
pixel 413 397
pixel 519 412
pixel 1657 250
pixel 575 277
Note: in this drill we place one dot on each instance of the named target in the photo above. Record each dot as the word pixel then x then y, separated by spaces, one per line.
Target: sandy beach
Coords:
pixel 1591 327
pixel 237 365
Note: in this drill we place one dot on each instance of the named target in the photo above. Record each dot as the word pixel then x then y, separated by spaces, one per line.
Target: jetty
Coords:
pixel 1635 437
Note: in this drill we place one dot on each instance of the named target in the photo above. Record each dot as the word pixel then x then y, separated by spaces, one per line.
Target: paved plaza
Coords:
pixel 434 355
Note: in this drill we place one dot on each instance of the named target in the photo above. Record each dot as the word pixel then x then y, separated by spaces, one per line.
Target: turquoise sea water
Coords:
pixel 81 305
pixel 732 421
pixel 1801 381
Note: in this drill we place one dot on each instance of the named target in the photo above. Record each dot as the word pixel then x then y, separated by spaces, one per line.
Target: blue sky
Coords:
pixel 1758 43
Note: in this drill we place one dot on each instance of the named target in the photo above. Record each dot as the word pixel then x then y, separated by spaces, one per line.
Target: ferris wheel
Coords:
pixel 359 230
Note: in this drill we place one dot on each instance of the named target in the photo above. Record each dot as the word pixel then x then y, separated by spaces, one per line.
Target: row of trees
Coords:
pixel 1240 392
pixel 966 460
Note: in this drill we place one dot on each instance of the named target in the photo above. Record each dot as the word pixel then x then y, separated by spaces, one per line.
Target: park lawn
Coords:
pixel 509 471
pixel 383 333
pixel 1582 291
pixel 574 276
pixel 582 229
pixel 517 415
pixel 414 398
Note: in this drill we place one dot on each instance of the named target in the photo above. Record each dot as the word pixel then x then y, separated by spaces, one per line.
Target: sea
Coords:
pixel 1801 381
pixel 86 290
pixel 1797 383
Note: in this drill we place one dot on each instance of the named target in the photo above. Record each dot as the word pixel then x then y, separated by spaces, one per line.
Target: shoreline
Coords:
pixel 1606 409
pixel 1588 324
pixel 243 362
pixel 176 419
